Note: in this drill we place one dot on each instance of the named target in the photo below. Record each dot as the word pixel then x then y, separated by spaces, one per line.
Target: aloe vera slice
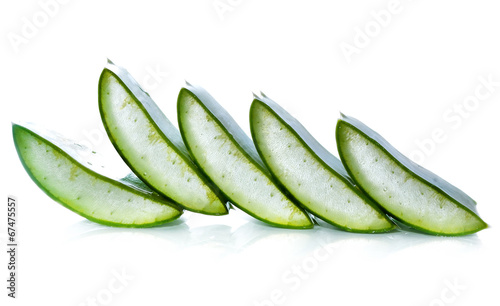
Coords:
pixel 408 192
pixel 61 169
pixel 309 172
pixel 227 155
pixel 151 146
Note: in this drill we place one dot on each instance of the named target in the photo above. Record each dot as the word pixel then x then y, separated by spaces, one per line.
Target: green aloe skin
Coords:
pixel 151 146
pixel 283 177
pixel 63 171
pixel 228 157
pixel 409 193
pixel 310 173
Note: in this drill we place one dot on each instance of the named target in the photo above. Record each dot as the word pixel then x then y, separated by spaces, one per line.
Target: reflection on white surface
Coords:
pixel 237 235
pixel 235 257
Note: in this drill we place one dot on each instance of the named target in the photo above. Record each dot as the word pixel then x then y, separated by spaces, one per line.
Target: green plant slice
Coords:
pixel 228 157
pixel 309 172
pixel 70 175
pixel 151 146
pixel 408 192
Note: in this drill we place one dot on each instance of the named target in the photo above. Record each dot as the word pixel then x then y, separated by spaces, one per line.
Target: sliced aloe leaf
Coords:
pixel 151 146
pixel 70 175
pixel 228 157
pixel 410 193
pixel 309 172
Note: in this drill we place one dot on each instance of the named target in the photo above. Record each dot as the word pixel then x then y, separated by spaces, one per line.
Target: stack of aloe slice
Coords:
pixel 281 176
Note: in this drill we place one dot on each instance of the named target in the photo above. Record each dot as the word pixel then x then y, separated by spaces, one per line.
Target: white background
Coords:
pixel 407 80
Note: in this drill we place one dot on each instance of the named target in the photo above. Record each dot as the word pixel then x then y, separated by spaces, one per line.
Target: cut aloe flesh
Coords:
pixel 309 172
pixel 227 155
pixel 63 171
pixel 410 193
pixel 151 146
